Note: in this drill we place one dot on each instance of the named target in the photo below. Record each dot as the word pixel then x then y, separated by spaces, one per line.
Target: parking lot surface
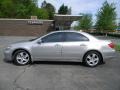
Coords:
pixel 58 75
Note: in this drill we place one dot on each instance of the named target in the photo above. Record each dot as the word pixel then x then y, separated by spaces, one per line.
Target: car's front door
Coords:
pixel 49 48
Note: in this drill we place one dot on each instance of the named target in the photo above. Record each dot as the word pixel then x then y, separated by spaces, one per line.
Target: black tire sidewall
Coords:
pixel 91 52
pixel 16 62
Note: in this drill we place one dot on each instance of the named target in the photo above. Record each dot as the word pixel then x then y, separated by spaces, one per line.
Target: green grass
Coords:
pixel 117 47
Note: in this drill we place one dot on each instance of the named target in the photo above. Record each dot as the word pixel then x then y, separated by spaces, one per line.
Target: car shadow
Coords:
pixel 51 62
pixel 57 63
pixel 54 63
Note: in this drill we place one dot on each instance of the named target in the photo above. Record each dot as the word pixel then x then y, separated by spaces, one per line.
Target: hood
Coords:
pixel 21 44
pixel 22 41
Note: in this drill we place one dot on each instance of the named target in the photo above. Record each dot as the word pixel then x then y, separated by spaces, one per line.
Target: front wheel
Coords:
pixel 21 57
pixel 92 59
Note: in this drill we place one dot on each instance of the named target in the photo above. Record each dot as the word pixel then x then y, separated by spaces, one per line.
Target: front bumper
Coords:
pixel 7 55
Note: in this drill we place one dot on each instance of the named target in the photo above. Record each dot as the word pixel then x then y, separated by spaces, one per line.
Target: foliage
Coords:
pixel 114 35
pixel 6 8
pixel 43 4
pixel 69 11
pixel 117 47
pixel 21 9
pixel 50 9
pixel 85 23
pixel 42 13
pixel 63 9
pixel 106 17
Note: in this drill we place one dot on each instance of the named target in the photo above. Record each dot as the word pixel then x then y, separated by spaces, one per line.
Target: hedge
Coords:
pixel 108 34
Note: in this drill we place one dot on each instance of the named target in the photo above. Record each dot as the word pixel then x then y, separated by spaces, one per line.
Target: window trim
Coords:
pixel 53 41
pixel 76 33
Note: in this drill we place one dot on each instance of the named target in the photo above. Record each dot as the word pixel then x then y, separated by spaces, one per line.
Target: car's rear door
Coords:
pixel 74 46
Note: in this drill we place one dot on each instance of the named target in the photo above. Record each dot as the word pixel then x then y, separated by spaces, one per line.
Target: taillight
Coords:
pixel 111 45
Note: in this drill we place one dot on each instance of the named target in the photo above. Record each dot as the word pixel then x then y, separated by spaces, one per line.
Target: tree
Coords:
pixel 63 9
pixel 85 23
pixel 42 13
pixel 106 17
pixel 50 9
pixel 25 8
pixel 43 4
pixel 6 6
pixel 17 8
pixel 69 11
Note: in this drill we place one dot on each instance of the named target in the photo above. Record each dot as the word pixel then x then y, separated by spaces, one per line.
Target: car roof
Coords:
pixel 84 33
pixel 66 31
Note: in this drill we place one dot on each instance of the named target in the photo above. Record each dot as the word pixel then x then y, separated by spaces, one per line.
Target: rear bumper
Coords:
pixel 109 54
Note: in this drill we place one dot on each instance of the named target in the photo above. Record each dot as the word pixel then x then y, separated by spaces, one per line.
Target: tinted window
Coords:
pixel 71 36
pixel 55 37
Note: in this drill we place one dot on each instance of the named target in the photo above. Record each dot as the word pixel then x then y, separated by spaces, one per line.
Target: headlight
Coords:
pixel 8 48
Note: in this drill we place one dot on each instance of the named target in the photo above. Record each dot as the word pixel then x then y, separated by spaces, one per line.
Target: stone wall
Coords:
pixel 25 27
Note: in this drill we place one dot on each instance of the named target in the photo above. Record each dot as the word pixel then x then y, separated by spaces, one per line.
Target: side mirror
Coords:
pixel 39 42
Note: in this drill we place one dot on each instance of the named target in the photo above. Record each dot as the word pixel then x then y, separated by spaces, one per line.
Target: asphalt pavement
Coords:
pixel 58 75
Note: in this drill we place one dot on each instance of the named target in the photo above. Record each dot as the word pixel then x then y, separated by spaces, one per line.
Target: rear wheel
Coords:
pixel 92 58
pixel 21 57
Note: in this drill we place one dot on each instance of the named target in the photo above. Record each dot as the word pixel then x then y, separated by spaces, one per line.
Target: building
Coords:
pixel 63 22
pixel 35 27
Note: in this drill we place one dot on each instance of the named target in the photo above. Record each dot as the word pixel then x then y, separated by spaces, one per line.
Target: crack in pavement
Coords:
pixel 15 85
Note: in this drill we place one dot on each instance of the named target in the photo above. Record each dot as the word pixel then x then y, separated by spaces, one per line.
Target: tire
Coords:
pixel 92 58
pixel 21 57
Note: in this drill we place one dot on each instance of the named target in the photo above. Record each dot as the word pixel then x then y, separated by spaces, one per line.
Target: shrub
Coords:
pixel 117 47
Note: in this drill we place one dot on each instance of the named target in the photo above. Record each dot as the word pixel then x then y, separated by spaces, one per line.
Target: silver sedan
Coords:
pixel 61 46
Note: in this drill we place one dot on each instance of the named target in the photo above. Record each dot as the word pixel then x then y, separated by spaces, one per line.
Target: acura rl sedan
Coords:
pixel 61 46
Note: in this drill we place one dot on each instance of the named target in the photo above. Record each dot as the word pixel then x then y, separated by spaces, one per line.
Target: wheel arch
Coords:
pixel 94 51
pixel 21 49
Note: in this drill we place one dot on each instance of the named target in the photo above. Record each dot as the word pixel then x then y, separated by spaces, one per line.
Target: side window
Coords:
pixel 54 37
pixel 71 36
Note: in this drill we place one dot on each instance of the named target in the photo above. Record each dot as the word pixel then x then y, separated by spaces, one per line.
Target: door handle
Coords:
pixel 57 45
pixel 83 45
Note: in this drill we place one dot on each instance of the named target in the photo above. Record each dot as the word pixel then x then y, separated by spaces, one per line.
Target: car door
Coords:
pixel 49 48
pixel 74 46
